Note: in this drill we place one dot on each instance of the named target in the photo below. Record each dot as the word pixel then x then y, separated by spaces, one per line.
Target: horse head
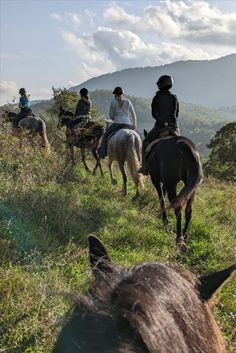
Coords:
pixel 151 308
pixel 7 115
pixel 64 117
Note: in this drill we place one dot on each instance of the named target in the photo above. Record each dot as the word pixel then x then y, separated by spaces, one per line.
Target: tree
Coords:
pixel 62 97
pixel 222 159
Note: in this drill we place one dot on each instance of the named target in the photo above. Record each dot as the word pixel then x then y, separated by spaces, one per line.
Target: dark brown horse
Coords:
pixel 171 160
pixel 87 137
pixel 151 308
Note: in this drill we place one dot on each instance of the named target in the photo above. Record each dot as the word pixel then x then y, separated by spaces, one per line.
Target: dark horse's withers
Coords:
pixel 150 308
pixel 171 160
pixel 86 137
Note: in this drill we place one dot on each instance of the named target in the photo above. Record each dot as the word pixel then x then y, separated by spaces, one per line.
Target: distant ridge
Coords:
pixel 210 83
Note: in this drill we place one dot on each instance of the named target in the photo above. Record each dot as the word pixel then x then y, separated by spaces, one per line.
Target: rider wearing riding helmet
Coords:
pixel 24 105
pixel 165 110
pixel 83 109
pixel 122 115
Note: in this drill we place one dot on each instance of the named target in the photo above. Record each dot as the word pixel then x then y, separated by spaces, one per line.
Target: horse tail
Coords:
pixel 194 178
pixel 133 161
pixel 43 132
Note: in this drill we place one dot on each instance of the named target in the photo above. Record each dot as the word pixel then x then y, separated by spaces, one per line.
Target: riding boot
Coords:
pixel 143 169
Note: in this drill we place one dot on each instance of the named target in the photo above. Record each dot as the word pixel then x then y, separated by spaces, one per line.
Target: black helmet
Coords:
pixel 165 82
pixel 22 91
pixel 84 92
pixel 118 90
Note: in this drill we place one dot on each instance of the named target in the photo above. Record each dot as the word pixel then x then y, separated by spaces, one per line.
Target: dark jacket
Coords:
pixel 165 109
pixel 83 107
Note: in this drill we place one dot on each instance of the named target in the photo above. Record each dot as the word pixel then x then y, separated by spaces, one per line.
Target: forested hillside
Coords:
pixel 198 123
pixel 210 83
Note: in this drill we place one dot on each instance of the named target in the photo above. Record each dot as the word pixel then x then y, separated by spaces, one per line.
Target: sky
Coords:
pixel 62 43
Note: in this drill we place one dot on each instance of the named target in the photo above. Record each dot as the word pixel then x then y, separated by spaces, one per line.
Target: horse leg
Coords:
pixel 113 180
pixel 71 154
pixel 161 191
pixel 188 215
pixel 171 192
pixel 84 160
pixel 98 164
pixel 123 172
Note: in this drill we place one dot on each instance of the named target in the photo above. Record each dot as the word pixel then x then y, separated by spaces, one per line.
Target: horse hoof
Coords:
pixel 136 197
pixel 165 222
pixel 114 182
pixel 182 246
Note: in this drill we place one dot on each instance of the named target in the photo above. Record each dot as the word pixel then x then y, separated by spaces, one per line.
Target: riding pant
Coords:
pixel 23 114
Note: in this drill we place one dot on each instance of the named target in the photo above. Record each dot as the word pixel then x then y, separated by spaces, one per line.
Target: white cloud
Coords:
pixel 8 91
pixel 8 87
pixel 73 17
pixel 55 16
pixel 70 18
pixel 191 21
pixel 107 50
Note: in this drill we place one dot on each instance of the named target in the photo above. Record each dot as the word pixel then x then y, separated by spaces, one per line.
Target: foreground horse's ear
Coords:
pixel 61 109
pixel 208 285
pixel 145 132
pixel 98 256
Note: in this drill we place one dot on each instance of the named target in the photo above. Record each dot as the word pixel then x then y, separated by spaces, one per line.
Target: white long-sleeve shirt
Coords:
pixel 124 114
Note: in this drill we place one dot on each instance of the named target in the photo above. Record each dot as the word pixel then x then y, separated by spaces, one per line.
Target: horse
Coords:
pixel 34 125
pixel 125 145
pixel 173 159
pixel 150 308
pixel 87 137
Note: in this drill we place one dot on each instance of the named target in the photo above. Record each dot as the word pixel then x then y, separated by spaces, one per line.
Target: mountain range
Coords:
pixel 209 83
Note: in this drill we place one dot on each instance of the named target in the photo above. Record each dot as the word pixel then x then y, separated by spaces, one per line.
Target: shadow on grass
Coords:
pixel 49 220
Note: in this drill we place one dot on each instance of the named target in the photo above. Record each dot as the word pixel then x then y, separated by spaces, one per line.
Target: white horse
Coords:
pixel 34 125
pixel 126 146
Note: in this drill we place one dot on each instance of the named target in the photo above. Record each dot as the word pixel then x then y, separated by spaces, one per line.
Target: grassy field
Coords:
pixel 46 214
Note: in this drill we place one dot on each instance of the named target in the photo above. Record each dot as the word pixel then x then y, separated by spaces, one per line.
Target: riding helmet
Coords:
pixel 22 91
pixel 84 92
pixel 118 90
pixel 165 82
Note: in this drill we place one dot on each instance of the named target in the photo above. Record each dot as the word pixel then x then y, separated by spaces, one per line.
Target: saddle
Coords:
pixel 114 132
pixel 166 133
pixel 86 133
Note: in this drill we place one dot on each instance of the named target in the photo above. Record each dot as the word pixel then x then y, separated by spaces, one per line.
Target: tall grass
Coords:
pixel 46 213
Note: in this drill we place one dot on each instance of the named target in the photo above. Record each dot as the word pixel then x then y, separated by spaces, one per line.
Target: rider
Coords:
pixel 122 115
pixel 165 110
pixel 83 109
pixel 24 105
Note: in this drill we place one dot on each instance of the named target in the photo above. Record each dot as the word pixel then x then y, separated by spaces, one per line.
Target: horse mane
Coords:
pixel 135 311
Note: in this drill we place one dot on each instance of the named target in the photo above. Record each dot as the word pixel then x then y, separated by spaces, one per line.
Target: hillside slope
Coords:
pixel 46 214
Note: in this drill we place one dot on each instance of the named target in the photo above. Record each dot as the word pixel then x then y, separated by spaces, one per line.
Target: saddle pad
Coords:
pixel 154 142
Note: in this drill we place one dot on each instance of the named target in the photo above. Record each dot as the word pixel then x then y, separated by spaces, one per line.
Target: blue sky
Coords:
pixel 65 42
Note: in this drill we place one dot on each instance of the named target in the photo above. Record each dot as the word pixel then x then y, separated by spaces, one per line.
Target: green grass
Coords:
pixel 46 215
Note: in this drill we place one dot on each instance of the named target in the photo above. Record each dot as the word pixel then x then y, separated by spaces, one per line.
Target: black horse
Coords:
pixel 171 160
pixel 150 308
pixel 86 137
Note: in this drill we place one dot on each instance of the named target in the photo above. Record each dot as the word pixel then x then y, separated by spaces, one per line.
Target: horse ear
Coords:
pixel 145 132
pixel 61 109
pixel 98 256
pixel 208 285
